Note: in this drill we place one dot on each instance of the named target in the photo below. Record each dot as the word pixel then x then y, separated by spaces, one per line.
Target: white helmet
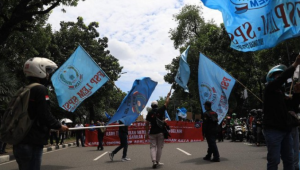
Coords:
pixel 39 67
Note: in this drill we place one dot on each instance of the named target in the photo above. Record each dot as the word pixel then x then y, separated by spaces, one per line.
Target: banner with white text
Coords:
pixel 180 132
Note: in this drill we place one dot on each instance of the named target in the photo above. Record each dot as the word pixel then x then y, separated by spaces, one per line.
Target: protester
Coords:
pixel 28 153
pixel 123 134
pixel 79 134
pixel 209 131
pixel 54 137
pixel 156 133
pixel 277 121
pixel 101 132
pixel 292 103
pixel 62 134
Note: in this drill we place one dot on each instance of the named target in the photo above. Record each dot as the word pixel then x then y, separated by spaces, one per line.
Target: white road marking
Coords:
pixel 184 151
pixel 100 156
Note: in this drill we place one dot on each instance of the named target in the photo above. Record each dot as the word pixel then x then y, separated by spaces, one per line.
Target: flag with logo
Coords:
pixel 214 85
pixel 77 79
pixel 183 73
pixel 107 115
pixel 182 112
pixel 258 24
pixel 167 115
pixel 135 101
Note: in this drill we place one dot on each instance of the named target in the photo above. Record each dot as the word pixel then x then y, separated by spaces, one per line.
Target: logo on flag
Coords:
pixel 77 79
pixel 70 76
pixel 215 85
pixel 139 102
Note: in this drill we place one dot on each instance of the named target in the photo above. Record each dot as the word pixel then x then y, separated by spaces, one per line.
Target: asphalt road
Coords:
pixel 176 156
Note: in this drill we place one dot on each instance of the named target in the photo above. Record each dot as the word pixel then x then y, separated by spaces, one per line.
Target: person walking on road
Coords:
pixel 209 130
pixel 156 133
pixel 123 134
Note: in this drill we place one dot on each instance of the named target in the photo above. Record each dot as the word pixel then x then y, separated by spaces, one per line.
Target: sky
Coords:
pixel 138 35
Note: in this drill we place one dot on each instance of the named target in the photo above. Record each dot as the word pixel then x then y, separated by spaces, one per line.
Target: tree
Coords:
pixel 20 15
pixel 248 68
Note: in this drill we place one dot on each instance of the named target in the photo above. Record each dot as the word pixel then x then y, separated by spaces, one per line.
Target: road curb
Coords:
pixel 6 158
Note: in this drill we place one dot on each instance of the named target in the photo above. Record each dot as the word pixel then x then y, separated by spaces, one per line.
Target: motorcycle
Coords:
pixel 237 131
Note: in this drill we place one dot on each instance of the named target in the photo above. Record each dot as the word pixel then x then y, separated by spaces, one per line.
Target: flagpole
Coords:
pixel 235 79
pixel 94 127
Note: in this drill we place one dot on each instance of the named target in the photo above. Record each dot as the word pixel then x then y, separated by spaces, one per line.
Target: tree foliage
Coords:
pixel 248 68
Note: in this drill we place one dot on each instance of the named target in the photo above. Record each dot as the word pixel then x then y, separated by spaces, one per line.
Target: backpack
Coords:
pixel 15 122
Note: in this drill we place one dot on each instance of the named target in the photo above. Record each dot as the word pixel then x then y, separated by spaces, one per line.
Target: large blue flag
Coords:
pixel 135 101
pixel 183 73
pixel 77 79
pixel 258 24
pixel 215 85
pixel 167 115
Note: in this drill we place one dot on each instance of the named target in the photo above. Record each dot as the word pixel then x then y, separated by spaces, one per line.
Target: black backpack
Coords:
pixel 15 122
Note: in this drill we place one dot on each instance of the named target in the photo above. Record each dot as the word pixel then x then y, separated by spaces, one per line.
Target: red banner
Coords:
pixel 180 132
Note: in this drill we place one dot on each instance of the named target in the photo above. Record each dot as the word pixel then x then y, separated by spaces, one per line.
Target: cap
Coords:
pixel 207 103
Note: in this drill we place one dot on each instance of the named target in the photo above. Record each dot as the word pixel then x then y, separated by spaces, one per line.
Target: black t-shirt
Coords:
pixel 39 110
pixel 151 117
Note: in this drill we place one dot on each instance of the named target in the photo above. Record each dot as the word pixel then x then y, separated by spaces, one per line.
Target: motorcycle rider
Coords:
pixel 233 122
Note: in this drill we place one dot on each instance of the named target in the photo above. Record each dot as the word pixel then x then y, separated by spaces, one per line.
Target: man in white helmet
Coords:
pixel 156 133
pixel 277 120
pixel 28 153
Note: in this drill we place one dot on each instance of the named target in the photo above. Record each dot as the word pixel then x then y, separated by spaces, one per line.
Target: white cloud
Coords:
pixel 138 33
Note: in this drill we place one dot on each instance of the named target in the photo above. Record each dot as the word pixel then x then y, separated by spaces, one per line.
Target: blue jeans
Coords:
pixel 212 147
pixel 28 157
pixel 124 145
pixel 295 136
pixel 279 144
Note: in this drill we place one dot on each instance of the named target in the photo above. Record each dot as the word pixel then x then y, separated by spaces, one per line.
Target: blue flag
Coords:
pixel 135 101
pixel 77 79
pixel 258 24
pixel 167 115
pixel 182 112
pixel 107 115
pixel 215 85
pixel 183 73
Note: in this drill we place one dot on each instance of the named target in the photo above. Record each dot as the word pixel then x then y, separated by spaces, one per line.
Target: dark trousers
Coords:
pixel 28 157
pixel 100 140
pixel 61 137
pixel 124 145
pixel 53 136
pixel 79 136
pixel 2 147
pixel 212 147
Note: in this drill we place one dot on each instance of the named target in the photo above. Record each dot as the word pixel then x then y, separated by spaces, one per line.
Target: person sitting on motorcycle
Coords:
pixel 234 122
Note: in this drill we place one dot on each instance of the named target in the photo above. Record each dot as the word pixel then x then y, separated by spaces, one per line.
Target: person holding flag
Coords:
pixel 156 135
pixel 277 120
pixel 209 130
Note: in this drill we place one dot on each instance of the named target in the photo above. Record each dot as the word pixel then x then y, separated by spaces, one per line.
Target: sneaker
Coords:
pixel 160 164
pixel 154 165
pixel 126 159
pixel 111 156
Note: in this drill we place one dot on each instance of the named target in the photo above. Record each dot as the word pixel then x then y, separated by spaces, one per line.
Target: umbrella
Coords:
pixel 66 120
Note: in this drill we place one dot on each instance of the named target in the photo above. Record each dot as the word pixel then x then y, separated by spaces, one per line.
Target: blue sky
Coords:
pixel 138 36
